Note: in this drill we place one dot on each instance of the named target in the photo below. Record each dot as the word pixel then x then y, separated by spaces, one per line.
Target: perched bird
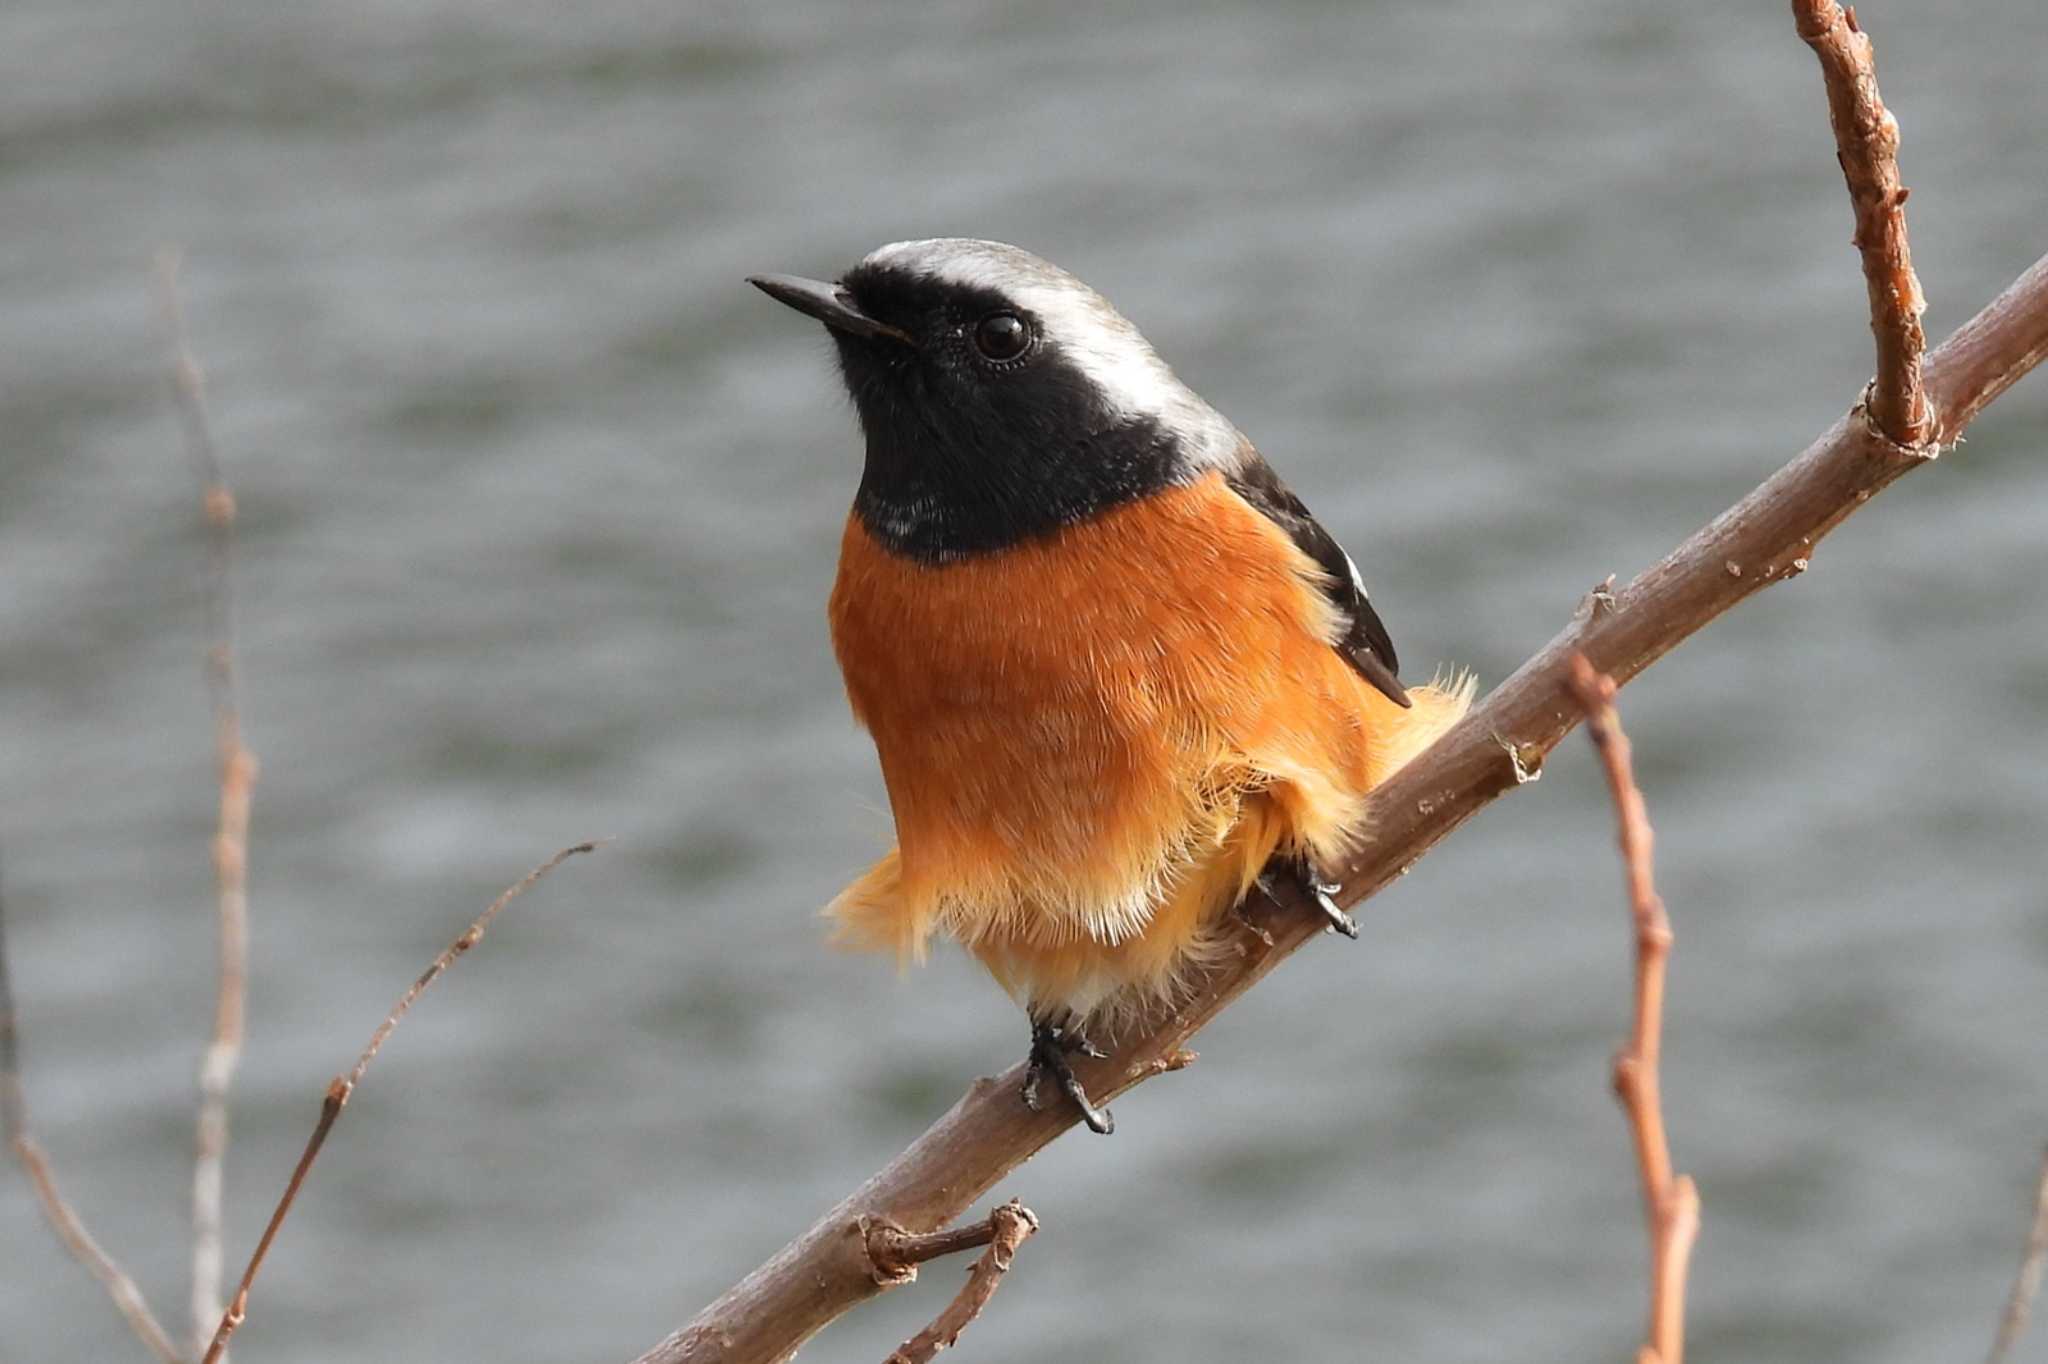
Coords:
pixel 1114 670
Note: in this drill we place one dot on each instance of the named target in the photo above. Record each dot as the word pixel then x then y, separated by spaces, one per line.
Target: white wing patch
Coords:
pixel 1356 581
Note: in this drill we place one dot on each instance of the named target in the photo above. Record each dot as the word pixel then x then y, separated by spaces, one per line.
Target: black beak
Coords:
pixel 829 303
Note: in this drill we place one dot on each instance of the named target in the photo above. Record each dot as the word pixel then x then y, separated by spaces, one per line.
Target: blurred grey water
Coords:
pixel 540 504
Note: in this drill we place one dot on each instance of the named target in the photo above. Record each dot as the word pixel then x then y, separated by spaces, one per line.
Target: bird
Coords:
pixel 1115 672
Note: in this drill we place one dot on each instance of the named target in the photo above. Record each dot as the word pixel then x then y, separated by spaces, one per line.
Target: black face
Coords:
pixel 980 433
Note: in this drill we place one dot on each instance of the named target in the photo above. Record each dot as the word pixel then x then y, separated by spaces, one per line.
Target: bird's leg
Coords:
pixel 1051 1044
pixel 1314 887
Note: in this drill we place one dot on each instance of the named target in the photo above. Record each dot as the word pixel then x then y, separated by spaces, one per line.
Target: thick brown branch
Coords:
pixel 237 778
pixel 62 1217
pixel 343 1087
pixel 1008 1227
pixel 1767 537
pixel 2012 1323
pixel 1867 146
pixel 1989 353
pixel 1671 1204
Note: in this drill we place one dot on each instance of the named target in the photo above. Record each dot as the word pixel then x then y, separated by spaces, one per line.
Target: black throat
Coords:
pixel 924 495
pixel 965 457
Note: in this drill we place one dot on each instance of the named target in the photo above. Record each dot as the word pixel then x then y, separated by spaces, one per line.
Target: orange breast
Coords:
pixel 1070 729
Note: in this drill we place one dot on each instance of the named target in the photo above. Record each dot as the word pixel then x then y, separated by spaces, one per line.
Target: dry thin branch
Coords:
pixel 2013 1322
pixel 1671 1205
pixel 1005 1228
pixel 897 1253
pixel 237 775
pixel 1767 537
pixel 62 1217
pixel 1867 146
pixel 342 1088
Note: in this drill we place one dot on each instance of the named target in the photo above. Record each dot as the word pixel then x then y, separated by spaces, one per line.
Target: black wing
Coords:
pixel 1366 645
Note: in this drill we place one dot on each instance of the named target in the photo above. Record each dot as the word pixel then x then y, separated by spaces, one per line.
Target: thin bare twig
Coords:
pixel 1006 1228
pixel 237 777
pixel 62 1217
pixel 1867 146
pixel 2013 1322
pixel 895 1253
pixel 342 1088
pixel 1671 1204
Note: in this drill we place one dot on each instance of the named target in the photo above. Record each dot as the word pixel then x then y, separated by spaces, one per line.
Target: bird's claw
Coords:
pixel 1320 893
pixel 1050 1047
pixel 1339 920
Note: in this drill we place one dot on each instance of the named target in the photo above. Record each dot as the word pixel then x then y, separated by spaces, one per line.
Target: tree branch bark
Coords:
pixel 1671 1204
pixel 1767 537
pixel 1867 146
pixel 237 776
pixel 57 1210
pixel 1908 414
pixel 1006 1228
pixel 2012 1323
pixel 343 1087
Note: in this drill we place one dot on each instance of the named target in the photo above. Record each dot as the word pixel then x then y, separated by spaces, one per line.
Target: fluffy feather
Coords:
pixel 1095 740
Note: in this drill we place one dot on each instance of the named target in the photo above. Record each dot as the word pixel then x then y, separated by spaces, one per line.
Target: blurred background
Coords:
pixel 540 504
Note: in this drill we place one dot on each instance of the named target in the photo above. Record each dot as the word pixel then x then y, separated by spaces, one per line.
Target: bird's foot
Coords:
pixel 1318 892
pixel 1050 1047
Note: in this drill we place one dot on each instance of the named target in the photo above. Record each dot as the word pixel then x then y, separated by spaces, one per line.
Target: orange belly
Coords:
pixel 1094 741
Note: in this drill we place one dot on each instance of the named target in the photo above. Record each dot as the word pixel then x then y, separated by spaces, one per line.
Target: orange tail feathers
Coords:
pixel 870 915
pixel 1436 707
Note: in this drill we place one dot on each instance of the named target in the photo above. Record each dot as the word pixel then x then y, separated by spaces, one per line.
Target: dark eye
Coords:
pixel 1002 336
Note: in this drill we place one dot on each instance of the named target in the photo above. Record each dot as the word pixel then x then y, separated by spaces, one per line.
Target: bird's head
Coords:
pixel 1001 397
